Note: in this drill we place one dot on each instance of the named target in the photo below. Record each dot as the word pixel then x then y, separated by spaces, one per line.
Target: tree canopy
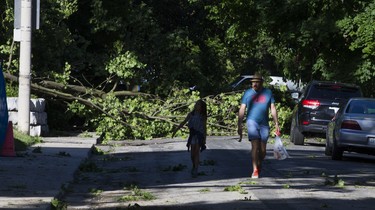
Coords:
pixel 94 52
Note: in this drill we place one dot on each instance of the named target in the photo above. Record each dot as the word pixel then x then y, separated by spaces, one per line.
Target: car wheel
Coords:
pixel 328 149
pixel 336 151
pixel 298 137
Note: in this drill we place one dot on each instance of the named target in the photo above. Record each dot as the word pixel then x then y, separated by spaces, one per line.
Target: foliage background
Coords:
pixel 165 46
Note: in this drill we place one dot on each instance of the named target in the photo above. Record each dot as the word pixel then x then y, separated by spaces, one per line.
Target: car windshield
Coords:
pixel 240 83
pixel 234 83
pixel 324 91
pixel 361 107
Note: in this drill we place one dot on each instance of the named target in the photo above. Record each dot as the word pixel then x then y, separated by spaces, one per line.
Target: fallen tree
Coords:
pixel 137 115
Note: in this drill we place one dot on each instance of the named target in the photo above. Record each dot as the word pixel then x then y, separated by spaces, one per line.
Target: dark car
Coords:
pixel 352 129
pixel 316 107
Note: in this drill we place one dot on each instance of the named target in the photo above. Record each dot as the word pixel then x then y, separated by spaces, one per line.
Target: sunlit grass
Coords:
pixel 23 141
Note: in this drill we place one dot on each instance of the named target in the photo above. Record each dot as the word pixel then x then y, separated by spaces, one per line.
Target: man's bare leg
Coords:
pixel 255 147
pixel 262 154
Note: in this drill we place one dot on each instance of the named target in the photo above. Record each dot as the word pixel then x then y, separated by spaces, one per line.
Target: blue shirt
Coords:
pixel 258 104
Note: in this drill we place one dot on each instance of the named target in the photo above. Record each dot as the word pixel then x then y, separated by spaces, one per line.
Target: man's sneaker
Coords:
pixel 255 174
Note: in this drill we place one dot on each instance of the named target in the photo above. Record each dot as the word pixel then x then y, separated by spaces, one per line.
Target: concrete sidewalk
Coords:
pixel 32 180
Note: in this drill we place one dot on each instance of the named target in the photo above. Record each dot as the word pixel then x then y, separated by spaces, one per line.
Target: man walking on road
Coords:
pixel 258 100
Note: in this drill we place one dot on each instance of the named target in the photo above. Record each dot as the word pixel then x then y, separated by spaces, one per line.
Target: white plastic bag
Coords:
pixel 279 151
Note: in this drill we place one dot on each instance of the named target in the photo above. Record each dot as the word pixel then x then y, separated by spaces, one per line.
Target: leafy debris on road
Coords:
pixel 136 195
pixel 233 188
pixel 335 181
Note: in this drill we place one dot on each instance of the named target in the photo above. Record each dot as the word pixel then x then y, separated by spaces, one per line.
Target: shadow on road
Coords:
pixel 164 169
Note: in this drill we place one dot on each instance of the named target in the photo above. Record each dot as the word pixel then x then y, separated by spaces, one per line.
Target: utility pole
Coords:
pixel 25 67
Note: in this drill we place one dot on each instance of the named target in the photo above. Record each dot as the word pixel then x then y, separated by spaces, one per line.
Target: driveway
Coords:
pixel 156 175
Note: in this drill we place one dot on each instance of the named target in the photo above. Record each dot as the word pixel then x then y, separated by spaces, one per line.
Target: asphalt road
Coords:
pixel 160 169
